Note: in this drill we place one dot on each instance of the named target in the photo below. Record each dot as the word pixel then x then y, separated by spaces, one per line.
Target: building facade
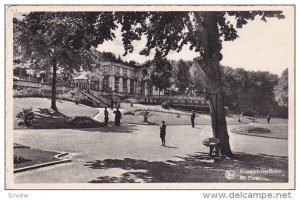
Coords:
pixel 116 77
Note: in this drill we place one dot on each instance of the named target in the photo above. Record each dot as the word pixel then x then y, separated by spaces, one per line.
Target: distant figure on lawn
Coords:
pixel 193 119
pixel 163 133
pixel 106 118
pixel 268 118
pixel 112 104
pixel 118 117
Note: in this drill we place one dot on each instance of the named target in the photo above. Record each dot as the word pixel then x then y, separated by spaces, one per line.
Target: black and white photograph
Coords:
pixel 150 97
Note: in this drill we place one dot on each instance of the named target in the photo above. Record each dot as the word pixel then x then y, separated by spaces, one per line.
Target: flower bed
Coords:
pixel 250 130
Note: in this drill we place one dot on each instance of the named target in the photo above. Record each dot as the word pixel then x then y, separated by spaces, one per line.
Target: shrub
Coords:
pixel 26 116
pixel 81 120
pixel 67 96
pixel 86 101
pixel 20 146
pixel 248 113
pixel 146 113
pixel 19 159
pixel 131 111
pixel 166 105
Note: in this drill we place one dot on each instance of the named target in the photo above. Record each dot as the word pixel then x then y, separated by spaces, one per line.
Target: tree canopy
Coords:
pixel 281 89
pixel 60 40
pixel 183 77
pixel 161 72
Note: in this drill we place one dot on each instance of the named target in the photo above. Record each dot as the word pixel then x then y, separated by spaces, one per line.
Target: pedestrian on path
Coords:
pixel 193 119
pixel 106 118
pixel 268 118
pixel 163 133
pixel 118 117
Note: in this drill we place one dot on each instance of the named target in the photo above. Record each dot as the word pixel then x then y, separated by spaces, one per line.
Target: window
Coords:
pixel 117 70
pixel 125 85
pixel 116 84
pixel 132 74
pixel 106 83
pixel 124 72
pixel 106 69
pixel 131 86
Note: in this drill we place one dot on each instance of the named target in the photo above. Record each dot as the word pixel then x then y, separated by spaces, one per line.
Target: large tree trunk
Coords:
pixel 53 96
pixel 211 67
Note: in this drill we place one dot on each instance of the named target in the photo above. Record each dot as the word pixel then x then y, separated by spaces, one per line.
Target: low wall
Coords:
pixel 29 84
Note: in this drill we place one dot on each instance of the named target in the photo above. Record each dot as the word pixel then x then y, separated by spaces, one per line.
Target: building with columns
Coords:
pixel 118 78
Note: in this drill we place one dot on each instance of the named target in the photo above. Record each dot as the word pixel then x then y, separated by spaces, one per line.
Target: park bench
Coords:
pixel 213 144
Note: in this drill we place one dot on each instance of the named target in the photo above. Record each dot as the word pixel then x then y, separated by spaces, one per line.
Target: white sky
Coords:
pixel 265 46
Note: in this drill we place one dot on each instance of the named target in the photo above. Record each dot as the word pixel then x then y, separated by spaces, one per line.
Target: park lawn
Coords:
pixel 169 118
pixel 45 117
pixel 33 157
pixel 159 114
pixel 278 131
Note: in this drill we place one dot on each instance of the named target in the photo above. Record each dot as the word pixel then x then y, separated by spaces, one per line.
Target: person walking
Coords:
pixel 193 116
pixel 118 117
pixel 268 118
pixel 163 133
pixel 106 118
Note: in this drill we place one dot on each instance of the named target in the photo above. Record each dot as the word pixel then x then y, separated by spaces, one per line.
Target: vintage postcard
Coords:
pixel 150 97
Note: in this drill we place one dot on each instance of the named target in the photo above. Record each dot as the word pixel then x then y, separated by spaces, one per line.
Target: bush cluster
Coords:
pixel 19 159
pixel 26 117
pixel 166 105
pixel 81 120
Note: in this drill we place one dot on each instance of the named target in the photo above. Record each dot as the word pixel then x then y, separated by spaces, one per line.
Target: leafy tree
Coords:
pixel 183 77
pixel 168 31
pixel 161 72
pixel 110 56
pixel 52 40
pixel 198 77
pixel 248 91
pixel 281 89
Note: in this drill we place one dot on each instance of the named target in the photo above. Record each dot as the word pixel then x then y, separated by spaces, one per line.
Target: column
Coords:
pixel 121 84
pixel 112 83
pixel 146 89
pixel 128 86
pixel 99 84
pixel 153 90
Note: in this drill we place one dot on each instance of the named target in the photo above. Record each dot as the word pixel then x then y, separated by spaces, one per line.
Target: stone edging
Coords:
pixel 44 164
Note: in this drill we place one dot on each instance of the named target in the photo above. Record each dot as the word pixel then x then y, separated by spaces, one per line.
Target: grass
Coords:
pixel 45 117
pixel 33 157
pixel 170 118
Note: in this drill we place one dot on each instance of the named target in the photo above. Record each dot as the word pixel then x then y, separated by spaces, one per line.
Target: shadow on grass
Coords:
pixel 124 128
pixel 49 119
pixel 197 168
pixel 45 118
